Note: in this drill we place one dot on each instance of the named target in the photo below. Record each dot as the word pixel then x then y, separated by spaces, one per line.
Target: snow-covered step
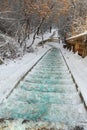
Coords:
pixel 50 72
pixel 59 113
pixel 50 66
pixel 56 66
pixel 52 69
pixel 40 76
pixel 48 81
pixel 51 63
pixel 67 114
pixel 44 97
pixel 48 88
pixel 49 76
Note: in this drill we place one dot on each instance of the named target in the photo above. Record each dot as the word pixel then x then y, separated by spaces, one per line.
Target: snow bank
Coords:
pixel 78 67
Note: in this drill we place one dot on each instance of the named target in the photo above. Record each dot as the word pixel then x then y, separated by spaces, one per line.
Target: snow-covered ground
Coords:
pixel 78 67
pixel 11 73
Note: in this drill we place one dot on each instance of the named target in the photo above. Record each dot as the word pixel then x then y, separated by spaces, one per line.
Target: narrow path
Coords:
pixel 46 95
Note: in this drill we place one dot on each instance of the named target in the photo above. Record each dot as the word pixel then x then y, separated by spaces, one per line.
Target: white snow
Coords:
pixel 78 67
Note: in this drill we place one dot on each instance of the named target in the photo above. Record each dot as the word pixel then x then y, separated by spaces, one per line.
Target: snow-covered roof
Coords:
pixel 77 36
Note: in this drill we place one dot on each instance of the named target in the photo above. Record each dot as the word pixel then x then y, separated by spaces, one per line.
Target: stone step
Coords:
pixel 46 76
pixel 50 66
pixel 51 63
pixel 48 81
pixel 52 69
pixel 59 72
pixel 68 114
pixel 69 88
pixel 45 97
pixel 50 74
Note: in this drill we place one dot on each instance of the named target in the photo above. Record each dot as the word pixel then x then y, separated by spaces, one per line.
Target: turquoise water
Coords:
pixel 47 93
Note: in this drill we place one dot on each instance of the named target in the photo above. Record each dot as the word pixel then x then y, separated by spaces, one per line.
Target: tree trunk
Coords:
pixel 26 32
pixel 36 32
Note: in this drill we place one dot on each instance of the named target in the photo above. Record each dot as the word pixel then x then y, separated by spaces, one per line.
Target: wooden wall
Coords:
pixel 78 45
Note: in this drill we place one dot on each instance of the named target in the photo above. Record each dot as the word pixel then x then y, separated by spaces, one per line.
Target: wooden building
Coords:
pixel 78 44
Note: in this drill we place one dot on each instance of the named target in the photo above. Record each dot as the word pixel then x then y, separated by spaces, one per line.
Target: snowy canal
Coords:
pixel 46 95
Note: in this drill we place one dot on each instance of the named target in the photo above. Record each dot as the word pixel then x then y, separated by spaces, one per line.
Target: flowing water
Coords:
pixel 46 95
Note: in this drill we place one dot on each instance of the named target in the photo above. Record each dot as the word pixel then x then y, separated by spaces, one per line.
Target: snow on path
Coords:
pixel 78 68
